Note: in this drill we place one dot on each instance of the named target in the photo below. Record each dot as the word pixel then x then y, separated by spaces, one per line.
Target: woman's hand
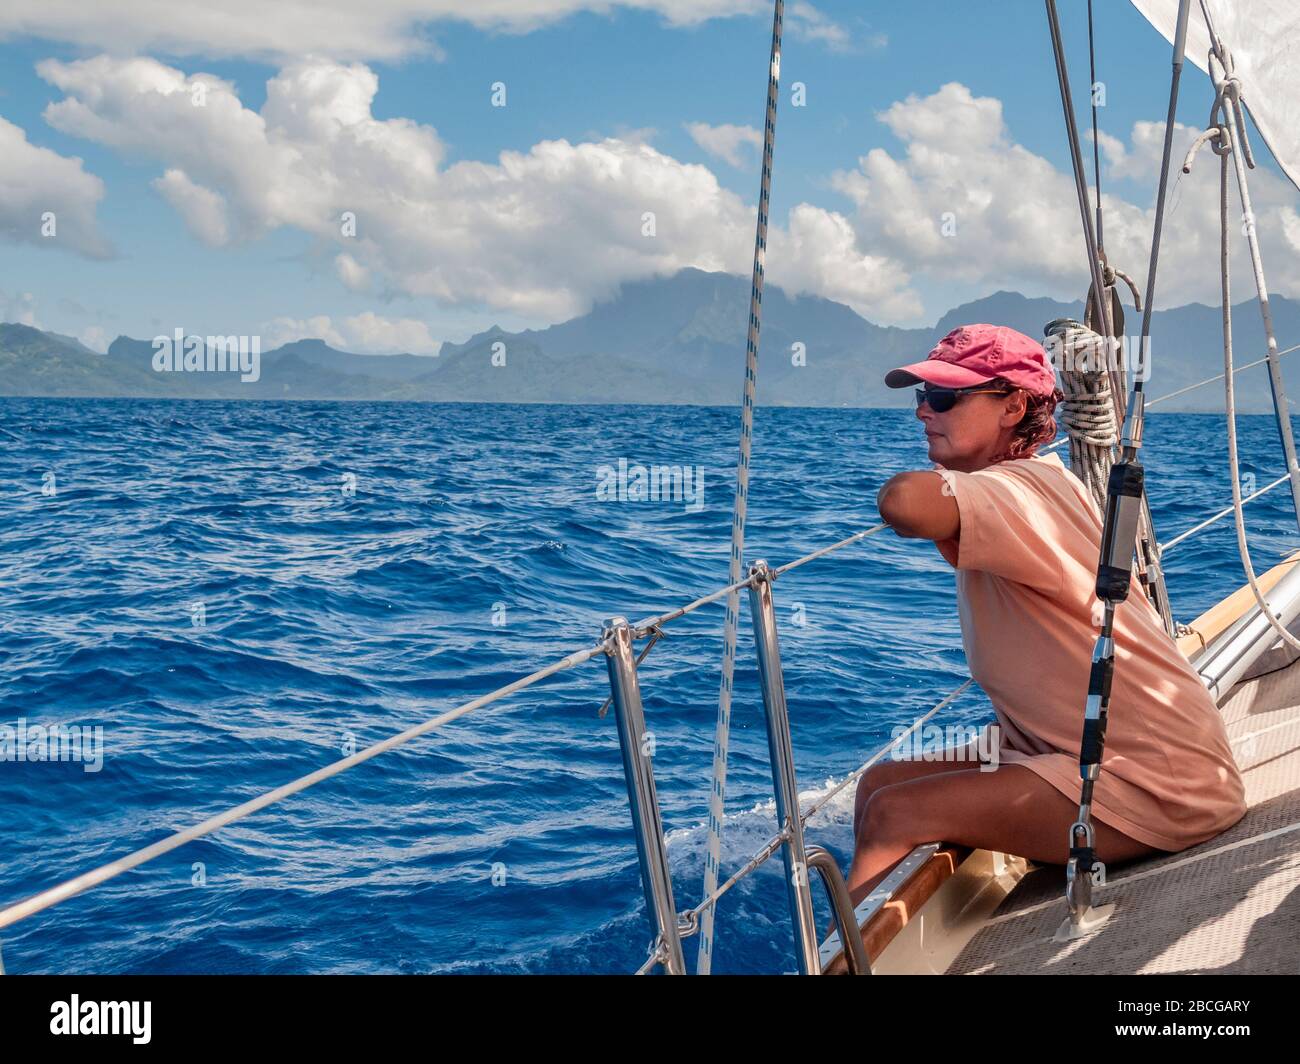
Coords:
pixel 920 505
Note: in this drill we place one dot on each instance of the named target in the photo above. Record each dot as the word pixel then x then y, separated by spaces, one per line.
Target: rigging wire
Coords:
pixel 1125 513
pixel 1096 153
pixel 1080 179
pixel 1230 134
pixel 1107 307
pixel 722 728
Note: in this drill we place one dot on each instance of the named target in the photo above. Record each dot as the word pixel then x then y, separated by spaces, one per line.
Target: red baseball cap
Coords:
pixel 975 354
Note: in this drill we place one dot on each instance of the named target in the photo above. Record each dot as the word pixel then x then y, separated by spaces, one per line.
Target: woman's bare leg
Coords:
pixel 888 772
pixel 1011 809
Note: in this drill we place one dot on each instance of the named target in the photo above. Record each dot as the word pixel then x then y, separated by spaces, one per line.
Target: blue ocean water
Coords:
pixel 358 568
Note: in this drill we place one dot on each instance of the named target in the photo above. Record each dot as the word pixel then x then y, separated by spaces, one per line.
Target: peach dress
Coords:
pixel 1026 561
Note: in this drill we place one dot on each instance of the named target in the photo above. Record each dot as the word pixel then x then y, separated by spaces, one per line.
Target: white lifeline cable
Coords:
pixel 1232 136
pixel 722 731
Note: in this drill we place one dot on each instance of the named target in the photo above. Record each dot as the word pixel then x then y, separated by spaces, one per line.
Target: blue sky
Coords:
pixel 233 247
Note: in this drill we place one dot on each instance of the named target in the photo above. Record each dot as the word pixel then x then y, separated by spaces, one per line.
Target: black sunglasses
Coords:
pixel 942 400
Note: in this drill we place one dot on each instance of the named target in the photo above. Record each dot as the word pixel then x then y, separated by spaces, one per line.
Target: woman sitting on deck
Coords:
pixel 1024 535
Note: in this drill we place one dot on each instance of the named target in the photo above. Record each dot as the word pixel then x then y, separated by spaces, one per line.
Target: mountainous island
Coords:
pixel 676 340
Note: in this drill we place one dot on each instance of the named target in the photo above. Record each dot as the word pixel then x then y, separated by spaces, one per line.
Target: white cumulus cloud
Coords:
pixel 353 275
pixel 366 333
pixel 47 199
pixel 818 252
pixel 966 203
pixel 94 337
pixel 341 29
pixel 542 233
pixel 203 210
pixel 726 141
pixel 19 308
pixel 807 22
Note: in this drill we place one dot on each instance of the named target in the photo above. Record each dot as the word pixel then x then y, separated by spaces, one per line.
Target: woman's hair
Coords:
pixel 1037 427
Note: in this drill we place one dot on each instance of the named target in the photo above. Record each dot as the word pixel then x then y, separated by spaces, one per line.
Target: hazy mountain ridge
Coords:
pixel 678 339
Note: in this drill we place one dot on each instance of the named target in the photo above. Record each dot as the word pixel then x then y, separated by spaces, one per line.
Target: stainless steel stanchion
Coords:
pixel 646 822
pixel 763 612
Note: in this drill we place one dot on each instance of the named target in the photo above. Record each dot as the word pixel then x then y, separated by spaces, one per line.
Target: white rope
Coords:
pixel 1062 441
pixel 846 541
pixel 1087 412
pixel 722 730
pixel 1165 548
pixel 644 628
pixel 1218 377
pixel 1227 97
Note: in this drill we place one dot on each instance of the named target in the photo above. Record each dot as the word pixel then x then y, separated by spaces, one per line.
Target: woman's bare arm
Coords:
pixel 919 505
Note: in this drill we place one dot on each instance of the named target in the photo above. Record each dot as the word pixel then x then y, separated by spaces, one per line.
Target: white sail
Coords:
pixel 1264 39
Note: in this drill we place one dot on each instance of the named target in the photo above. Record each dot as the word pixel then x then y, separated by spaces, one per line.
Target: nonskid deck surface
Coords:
pixel 1228 906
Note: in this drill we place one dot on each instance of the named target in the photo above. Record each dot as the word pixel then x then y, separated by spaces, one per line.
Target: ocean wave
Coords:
pixel 208 582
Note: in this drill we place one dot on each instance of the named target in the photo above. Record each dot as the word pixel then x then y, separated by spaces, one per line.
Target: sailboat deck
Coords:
pixel 1230 905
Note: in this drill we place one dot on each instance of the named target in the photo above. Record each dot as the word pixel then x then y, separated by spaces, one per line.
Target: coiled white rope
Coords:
pixel 1087 413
